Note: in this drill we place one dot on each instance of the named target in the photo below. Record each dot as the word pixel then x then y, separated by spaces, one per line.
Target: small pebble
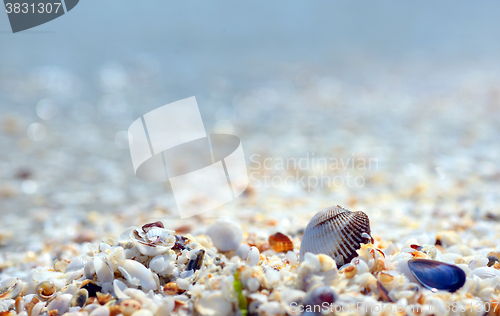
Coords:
pixel 253 284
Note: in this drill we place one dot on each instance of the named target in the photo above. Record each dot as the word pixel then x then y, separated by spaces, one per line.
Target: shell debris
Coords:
pixel 153 271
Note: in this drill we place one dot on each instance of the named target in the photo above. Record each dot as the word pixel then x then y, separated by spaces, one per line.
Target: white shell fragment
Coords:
pixel 136 271
pixel 153 239
pixel 213 303
pixel 253 256
pixel 225 234
pixel 336 232
pixel 10 288
pixel 103 268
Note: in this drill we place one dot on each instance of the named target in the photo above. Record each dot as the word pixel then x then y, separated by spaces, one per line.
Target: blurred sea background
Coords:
pixel 414 84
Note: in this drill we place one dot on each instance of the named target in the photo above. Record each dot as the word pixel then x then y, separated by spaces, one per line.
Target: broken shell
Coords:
pixel 485 272
pixel 79 298
pixel 326 262
pixel 172 288
pixel 46 290
pixel 435 275
pixel 129 306
pixel 160 263
pixel 153 239
pixel 337 232
pixel 409 291
pixel 226 235
pixel 19 304
pixel 10 288
pixel 491 260
pixel 196 263
pixel 350 271
pixel 103 268
pixel 135 270
pixel 103 299
pixel 91 287
pixel 280 242
pixel 78 263
pixel 36 309
pixel 383 293
pixel 253 256
pixel 119 287
pixel 60 303
pixel 147 227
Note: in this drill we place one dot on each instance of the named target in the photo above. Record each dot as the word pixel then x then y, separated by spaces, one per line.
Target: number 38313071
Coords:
pixel 32 7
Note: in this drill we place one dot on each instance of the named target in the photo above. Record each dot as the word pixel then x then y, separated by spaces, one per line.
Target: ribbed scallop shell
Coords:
pixel 336 232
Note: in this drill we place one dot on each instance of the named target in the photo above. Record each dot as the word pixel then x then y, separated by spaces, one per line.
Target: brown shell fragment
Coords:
pixel 146 227
pixel 337 232
pixel 171 288
pixel 383 293
pixel 280 242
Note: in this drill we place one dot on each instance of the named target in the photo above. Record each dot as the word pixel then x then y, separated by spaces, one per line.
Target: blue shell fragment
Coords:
pixel 436 275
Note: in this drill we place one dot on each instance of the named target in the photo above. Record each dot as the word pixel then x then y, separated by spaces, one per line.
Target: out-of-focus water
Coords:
pixel 247 39
pixel 414 84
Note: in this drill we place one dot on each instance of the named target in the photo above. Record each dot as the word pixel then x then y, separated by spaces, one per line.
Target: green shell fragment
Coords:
pixel 238 287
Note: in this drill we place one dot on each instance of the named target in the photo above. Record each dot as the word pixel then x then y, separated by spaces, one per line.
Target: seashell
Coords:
pixel 46 290
pixel 409 291
pixel 196 263
pixel 214 303
pixel 100 311
pixel 129 306
pixel 19 304
pixel 172 288
pixel 485 272
pixel 103 268
pixel 226 235
pixel 383 293
pixel 91 287
pixel 160 263
pixel 60 303
pixel 36 309
pixel 103 299
pixel 118 288
pixel 319 296
pixel 153 239
pixel 135 270
pixel 478 263
pixel 180 242
pixel 436 275
pixel 336 232
pixel 183 284
pixel 492 260
pixel 350 271
pixel 280 242
pixel 79 298
pixel 10 288
pixel 117 256
pixel 326 262
pixel 253 256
